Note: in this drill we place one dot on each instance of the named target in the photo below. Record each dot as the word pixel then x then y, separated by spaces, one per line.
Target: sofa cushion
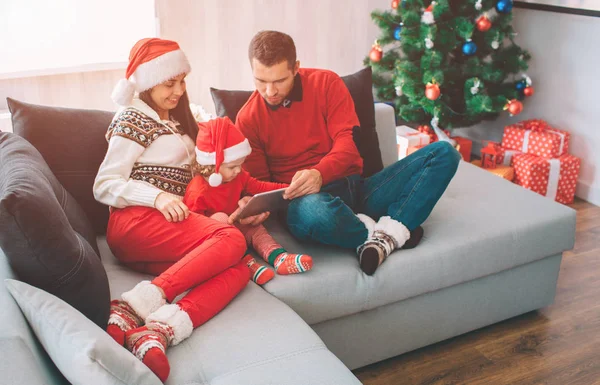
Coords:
pixel 45 234
pixel 29 363
pixel 80 349
pixel 229 102
pixel 360 85
pixel 72 143
pixel 495 226
pixel 256 340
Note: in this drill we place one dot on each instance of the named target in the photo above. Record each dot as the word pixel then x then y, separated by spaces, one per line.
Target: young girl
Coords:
pixel 220 152
pixel 143 179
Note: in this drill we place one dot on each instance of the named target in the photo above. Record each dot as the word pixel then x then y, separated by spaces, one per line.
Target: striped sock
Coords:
pixel 286 263
pixel 272 252
pixel 122 318
pixel 259 273
pixel 149 344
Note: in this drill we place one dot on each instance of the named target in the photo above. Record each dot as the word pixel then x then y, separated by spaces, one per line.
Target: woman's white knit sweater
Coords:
pixel 146 156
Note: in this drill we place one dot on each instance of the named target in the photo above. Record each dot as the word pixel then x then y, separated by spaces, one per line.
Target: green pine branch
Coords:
pixel 408 65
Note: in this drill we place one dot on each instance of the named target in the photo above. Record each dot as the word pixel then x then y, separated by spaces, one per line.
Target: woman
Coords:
pixel 143 179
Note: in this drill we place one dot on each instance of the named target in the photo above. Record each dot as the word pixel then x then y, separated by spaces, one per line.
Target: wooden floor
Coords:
pixel 559 344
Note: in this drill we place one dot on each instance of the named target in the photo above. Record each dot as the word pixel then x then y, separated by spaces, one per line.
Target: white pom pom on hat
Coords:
pixel 123 92
pixel 215 179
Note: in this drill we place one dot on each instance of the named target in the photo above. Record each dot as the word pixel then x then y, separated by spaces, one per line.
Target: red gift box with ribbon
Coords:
pixel 505 156
pixel 536 137
pixel 554 178
pixel 428 131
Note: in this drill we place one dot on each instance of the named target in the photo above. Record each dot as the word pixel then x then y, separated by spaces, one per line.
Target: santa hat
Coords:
pixel 152 61
pixel 218 142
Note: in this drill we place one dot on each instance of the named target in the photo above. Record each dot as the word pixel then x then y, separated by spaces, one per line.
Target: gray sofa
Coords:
pixel 491 251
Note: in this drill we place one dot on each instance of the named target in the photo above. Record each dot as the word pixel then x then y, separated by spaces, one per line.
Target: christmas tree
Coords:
pixel 449 62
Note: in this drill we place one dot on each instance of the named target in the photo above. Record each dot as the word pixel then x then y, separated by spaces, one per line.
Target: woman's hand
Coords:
pixel 172 208
pixel 253 220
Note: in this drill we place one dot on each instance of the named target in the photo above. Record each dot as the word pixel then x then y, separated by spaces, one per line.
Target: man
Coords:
pixel 299 123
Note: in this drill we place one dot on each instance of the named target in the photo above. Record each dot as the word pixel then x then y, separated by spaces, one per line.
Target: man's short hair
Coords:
pixel 272 47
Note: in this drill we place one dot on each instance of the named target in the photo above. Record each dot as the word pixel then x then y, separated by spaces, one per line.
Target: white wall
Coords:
pixel 215 35
pixel 564 69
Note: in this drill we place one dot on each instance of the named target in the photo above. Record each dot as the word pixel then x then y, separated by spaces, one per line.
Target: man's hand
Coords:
pixel 304 182
pixel 252 221
pixel 173 209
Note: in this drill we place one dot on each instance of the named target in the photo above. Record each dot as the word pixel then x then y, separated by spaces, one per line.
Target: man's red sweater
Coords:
pixel 202 198
pixel 313 131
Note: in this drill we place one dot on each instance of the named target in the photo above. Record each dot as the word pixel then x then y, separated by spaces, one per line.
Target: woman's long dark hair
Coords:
pixel 182 113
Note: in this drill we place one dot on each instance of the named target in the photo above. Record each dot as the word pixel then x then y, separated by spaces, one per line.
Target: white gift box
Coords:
pixel 409 137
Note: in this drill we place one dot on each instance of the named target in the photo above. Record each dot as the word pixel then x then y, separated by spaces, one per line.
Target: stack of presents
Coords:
pixel 532 154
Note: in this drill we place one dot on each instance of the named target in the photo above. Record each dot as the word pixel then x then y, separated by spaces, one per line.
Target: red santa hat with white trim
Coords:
pixel 152 61
pixel 219 141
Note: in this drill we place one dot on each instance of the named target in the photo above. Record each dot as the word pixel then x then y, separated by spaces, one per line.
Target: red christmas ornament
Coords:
pixel 514 107
pixel 528 91
pixel 376 52
pixel 395 4
pixel 432 91
pixel 483 23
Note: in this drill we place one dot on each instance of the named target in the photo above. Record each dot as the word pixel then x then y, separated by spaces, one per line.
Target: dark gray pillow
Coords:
pixel 73 145
pixel 360 84
pixel 228 103
pixel 45 234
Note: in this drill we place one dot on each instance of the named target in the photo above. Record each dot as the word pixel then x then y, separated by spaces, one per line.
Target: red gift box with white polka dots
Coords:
pixel 555 178
pixel 536 137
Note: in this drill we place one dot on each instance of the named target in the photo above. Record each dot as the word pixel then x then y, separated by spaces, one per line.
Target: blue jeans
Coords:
pixel 407 191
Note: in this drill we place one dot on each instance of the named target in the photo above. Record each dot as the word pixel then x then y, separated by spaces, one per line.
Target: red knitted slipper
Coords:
pixel 122 318
pixel 149 344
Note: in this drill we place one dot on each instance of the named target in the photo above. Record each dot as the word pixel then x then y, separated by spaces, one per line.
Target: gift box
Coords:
pixel 536 137
pixel 554 178
pixel 407 137
pixel 503 155
pixel 506 156
pixel 429 132
pixel 505 172
pixel 464 145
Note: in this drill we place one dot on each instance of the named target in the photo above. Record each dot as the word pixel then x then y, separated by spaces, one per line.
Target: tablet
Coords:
pixel 267 201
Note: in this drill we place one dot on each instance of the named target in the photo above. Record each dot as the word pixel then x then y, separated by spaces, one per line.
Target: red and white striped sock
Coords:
pixel 286 263
pixel 259 273
pixel 272 252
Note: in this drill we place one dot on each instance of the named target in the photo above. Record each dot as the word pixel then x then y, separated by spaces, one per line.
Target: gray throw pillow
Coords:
pixel 72 143
pixel 84 353
pixel 45 234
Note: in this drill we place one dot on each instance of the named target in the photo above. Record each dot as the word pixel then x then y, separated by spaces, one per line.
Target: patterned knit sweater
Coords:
pixel 146 156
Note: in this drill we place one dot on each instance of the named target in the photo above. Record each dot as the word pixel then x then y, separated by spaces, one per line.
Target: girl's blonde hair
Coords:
pixel 205 171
